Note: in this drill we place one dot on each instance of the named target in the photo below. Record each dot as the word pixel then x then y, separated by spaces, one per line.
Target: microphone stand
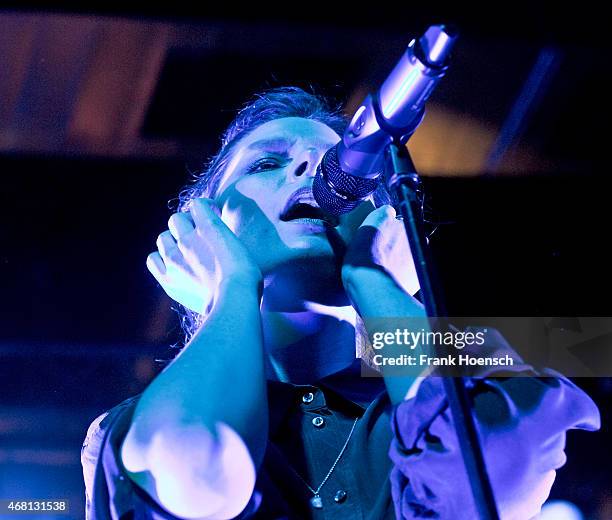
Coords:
pixel 404 183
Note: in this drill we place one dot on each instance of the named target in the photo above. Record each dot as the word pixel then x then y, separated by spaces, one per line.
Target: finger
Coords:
pixel 166 245
pixel 180 224
pixel 156 265
pixel 379 216
pixel 217 234
pixel 204 210
pixel 353 219
pixel 206 217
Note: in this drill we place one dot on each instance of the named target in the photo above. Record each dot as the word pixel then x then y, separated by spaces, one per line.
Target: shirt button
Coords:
pixel 318 421
pixel 340 496
pixel 308 398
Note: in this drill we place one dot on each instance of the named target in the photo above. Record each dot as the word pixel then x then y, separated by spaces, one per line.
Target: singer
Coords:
pixel 264 414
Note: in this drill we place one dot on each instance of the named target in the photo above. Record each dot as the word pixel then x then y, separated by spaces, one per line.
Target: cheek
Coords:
pixel 248 212
pixel 245 206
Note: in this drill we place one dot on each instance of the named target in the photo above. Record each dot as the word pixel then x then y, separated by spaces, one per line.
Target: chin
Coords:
pixel 304 253
pixel 310 247
pixel 312 239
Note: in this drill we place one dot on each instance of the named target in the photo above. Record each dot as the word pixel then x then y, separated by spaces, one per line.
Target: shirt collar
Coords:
pixel 329 392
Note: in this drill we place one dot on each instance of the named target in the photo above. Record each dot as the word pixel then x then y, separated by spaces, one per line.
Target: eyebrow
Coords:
pixel 276 143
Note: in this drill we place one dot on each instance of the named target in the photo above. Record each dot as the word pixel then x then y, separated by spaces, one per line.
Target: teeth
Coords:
pixel 302 210
pixel 308 199
pixel 304 205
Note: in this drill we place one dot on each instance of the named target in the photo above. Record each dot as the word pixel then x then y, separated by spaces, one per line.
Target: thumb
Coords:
pixel 379 216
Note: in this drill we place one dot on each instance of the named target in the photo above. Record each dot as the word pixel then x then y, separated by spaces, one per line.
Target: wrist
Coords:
pixel 363 284
pixel 374 293
pixel 245 284
pixel 358 279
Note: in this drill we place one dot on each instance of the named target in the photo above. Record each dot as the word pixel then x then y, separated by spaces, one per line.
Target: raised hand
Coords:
pixel 197 254
pixel 380 245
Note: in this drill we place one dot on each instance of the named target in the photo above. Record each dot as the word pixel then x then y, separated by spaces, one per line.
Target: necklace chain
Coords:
pixel 316 492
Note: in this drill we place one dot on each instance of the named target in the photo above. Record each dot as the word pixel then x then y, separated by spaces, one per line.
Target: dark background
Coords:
pixel 105 112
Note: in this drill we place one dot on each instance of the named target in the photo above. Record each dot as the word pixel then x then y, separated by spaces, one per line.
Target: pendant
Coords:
pixel 316 502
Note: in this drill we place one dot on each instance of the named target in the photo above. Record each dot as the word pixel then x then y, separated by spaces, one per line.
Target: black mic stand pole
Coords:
pixel 404 183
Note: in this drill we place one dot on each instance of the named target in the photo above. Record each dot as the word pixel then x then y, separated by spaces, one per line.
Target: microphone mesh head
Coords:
pixel 338 192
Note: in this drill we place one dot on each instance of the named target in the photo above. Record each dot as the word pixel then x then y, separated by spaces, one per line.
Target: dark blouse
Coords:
pixel 401 461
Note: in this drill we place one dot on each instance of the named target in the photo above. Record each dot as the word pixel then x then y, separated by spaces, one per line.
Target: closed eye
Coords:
pixel 265 164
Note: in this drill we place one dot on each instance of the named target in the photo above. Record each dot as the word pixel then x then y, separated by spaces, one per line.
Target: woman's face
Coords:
pixel 266 198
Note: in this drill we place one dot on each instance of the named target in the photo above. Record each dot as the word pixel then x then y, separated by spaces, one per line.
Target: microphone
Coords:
pixel 351 171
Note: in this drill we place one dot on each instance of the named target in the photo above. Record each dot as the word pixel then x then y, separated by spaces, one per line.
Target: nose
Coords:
pixel 307 164
pixel 301 169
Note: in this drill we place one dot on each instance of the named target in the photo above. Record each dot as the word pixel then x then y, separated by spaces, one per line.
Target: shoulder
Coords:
pixel 91 449
pixel 99 427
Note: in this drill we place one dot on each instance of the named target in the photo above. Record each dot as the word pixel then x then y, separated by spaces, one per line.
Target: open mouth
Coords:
pixel 302 207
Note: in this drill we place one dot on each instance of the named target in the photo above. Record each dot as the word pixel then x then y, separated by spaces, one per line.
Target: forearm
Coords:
pixel 218 377
pixel 375 295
